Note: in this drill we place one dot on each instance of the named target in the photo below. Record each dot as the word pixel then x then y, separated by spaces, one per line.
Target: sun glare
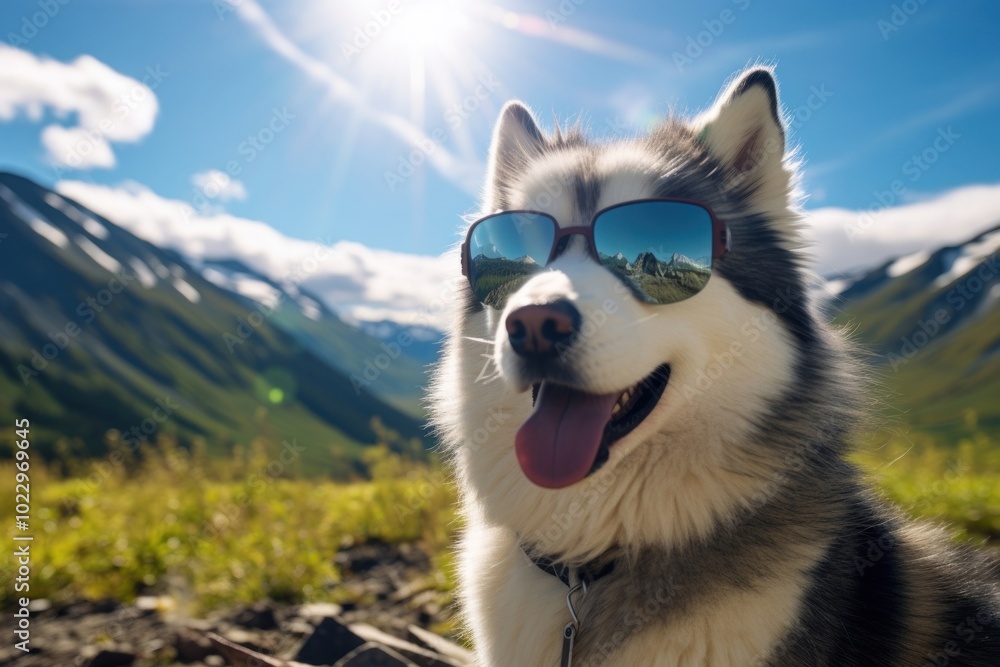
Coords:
pixel 411 63
pixel 426 52
pixel 428 27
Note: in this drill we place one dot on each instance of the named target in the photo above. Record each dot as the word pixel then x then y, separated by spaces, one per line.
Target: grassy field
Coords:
pixel 210 534
pixel 958 484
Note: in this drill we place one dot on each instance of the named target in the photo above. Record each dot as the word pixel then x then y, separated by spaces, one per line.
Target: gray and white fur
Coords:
pixel 740 533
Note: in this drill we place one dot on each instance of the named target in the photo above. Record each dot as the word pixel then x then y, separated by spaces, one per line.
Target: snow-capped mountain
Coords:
pixel 933 318
pixel 97 324
pixel 679 261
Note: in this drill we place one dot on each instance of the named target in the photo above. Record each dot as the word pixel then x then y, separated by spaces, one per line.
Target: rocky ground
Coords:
pixel 395 604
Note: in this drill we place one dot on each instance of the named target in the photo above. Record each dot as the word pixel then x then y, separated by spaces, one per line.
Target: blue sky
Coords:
pixel 884 80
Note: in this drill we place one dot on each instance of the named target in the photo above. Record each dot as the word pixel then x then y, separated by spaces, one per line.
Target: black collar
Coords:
pixel 588 572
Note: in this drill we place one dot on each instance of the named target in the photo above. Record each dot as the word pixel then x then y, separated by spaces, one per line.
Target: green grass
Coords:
pixel 211 533
pixel 957 484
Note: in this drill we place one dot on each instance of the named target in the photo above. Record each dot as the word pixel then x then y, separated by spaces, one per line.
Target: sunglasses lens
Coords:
pixel 505 250
pixel 663 248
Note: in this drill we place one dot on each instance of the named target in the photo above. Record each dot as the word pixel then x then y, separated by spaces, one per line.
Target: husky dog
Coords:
pixel 659 478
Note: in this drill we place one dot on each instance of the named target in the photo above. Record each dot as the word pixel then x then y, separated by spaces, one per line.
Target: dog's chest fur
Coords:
pixel 645 612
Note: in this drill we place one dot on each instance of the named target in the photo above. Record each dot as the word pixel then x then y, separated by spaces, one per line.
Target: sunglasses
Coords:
pixel 663 248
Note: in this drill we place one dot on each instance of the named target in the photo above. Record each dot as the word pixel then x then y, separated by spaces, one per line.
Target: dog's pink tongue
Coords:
pixel 558 443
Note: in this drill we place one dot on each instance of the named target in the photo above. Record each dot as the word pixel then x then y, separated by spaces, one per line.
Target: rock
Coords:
pixel 39 605
pixel 439 644
pixel 104 606
pixel 413 555
pixel 373 655
pixel 398 590
pixel 201 624
pixel 240 656
pixel 319 610
pixel 245 638
pixel 421 599
pixel 431 607
pixel 429 613
pixel 331 641
pixel 109 658
pixel 192 646
pixel 88 607
pixel 298 627
pixel 412 652
pixel 259 616
pixel 359 559
pixel 419 585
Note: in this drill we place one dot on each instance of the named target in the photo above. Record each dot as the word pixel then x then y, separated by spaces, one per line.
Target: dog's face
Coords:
pixel 600 417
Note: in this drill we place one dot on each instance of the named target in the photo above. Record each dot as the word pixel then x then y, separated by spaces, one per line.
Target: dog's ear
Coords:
pixel 743 128
pixel 516 139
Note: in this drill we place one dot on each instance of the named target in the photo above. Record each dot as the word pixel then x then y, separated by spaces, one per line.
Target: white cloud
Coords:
pixel 367 284
pixel 108 107
pixel 843 239
pixel 215 184
pixel 356 281
pixel 91 150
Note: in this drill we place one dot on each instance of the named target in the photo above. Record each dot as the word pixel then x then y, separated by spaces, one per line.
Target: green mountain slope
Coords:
pixel 935 330
pixel 84 353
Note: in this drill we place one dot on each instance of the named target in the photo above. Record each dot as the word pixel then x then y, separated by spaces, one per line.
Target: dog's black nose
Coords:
pixel 543 329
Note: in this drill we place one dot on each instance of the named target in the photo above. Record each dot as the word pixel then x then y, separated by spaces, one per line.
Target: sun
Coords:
pixel 425 56
pixel 427 28
pixel 407 64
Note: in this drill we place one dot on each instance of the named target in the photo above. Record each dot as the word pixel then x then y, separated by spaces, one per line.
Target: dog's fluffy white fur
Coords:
pixel 693 468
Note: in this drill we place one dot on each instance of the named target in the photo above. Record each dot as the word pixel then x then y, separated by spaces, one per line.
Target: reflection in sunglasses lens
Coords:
pixel 505 251
pixel 662 248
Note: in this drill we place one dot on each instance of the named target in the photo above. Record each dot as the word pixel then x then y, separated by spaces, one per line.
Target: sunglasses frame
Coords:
pixel 722 238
